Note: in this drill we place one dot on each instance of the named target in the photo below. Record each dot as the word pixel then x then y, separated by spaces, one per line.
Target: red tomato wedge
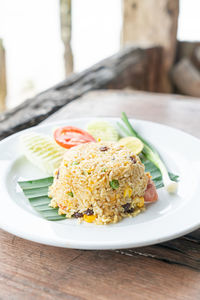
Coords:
pixel 69 136
pixel 150 193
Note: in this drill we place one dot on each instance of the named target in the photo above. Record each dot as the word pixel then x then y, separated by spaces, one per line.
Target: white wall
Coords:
pixel 31 33
pixel 96 27
pixel 189 20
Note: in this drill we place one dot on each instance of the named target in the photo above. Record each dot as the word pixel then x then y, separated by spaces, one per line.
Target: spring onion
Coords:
pixel 151 154
pixel 71 194
pixel 75 163
pixel 114 184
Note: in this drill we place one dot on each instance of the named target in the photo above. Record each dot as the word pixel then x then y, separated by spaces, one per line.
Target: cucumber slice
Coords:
pixel 102 130
pixel 42 151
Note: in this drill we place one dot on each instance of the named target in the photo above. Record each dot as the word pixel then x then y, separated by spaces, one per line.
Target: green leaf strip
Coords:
pixel 36 191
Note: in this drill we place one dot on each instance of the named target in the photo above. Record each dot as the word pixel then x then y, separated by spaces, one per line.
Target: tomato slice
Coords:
pixel 69 136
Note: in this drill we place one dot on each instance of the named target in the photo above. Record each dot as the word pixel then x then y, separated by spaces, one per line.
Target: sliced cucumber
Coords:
pixel 102 130
pixel 42 151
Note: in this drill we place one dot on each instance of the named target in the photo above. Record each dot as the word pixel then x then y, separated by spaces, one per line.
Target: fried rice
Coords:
pixel 99 183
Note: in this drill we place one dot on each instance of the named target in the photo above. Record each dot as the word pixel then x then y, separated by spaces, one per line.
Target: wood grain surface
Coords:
pixel 182 112
pixel 170 270
pixel 138 68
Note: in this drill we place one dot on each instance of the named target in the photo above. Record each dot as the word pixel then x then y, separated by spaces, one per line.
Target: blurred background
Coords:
pixel 43 41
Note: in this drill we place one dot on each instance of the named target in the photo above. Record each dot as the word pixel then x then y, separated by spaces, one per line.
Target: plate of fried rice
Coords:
pixel 101 195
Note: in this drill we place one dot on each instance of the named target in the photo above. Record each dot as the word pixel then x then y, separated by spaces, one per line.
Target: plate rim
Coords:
pixel 106 245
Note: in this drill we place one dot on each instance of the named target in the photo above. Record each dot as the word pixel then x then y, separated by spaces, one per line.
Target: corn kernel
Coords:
pixel 139 201
pixel 69 205
pixel 128 192
pixel 89 219
pixel 149 175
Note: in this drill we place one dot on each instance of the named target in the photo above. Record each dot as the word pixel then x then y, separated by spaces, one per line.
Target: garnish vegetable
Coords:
pixel 103 130
pixel 69 136
pixel 151 154
pixel 132 143
pixel 42 151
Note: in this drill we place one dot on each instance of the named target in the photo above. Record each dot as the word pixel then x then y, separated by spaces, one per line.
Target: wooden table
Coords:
pixel 169 270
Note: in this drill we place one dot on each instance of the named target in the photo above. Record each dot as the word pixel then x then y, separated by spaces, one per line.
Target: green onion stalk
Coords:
pixel 151 154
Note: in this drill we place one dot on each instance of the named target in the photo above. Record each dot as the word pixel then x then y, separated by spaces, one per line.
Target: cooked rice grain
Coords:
pixel 102 181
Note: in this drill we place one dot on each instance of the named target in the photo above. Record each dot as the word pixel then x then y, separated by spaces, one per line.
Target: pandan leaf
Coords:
pixel 36 191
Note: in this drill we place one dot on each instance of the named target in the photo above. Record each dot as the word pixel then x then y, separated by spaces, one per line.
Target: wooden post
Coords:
pixel 65 21
pixel 196 57
pixel 3 90
pixel 186 49
pixel 152 22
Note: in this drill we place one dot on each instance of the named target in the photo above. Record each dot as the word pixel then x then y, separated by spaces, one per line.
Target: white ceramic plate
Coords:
pixel 168 218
